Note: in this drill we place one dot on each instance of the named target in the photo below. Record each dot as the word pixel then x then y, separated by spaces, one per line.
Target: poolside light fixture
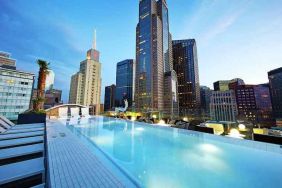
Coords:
pixel 242 127
pixel 234 133
pixel 133 118
pixel 154 116
pixel 185 119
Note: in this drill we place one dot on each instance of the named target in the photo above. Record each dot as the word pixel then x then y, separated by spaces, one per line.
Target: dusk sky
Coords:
pixel 235 38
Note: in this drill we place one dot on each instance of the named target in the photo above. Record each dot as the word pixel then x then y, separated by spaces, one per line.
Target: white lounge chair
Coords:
pixel 74 112
pixel 63 112
pixel 4 122
pixel 21 135
pixel 21 151
pixel 2 130
pixel 21 142
pixel 21 170
pixel 17 131
pixel 120 109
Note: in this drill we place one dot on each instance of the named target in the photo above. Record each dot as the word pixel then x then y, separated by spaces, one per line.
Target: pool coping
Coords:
pixel 268 147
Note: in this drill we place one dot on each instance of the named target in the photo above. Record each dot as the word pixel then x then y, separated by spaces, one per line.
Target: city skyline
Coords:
pixel 223 35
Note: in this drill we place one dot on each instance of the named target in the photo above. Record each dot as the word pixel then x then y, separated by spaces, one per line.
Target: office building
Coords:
pixel 15 88
pixel 246 102
pixel 125 82
pixel 264 105
pixel 153 55
pixel 224 85
pixel 275 85
pixel 223 106
pixel 109 99
pixel 186 66
pixel 85 87
pixel 6 61
pixel 53 97
pixel 206 93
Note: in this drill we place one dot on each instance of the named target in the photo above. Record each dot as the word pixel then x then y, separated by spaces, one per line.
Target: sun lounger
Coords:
pixel 16 131
pixel 21 142
pixel 28 126
pixel 21 170
pixel 4 125
pixel 20 135
pixel 2 130
pixel 19 151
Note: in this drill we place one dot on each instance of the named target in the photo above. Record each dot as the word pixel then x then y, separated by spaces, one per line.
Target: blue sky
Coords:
pixel 235 38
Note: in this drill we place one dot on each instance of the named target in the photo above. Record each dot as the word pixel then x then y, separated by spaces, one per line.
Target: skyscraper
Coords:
pixel 153 55
pixel 85 88
pixel 185 63
pixel 125 75
pixel 15 88
pixel 223 106
pixel 109 99
pixel 275 85
pixel 206 93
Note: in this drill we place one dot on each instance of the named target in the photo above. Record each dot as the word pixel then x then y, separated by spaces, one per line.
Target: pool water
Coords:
pixel 168 157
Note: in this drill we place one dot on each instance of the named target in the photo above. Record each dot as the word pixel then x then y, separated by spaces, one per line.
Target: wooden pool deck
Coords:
pixel 73 164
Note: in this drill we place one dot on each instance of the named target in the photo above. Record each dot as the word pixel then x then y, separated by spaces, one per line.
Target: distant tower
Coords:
pixel 85 88
pixel 154 59
pixel 186 66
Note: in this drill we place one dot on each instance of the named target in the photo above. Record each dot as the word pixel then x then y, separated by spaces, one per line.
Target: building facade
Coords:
pixel 6 61
pixel 275 85
pixel 85 87
pixel 185 63
pixel 224 85
pixel 153 55
pixel 223 106
pixel 125 82
pixel 15 88
pixel 53 97
pixel 109 99
pixel 206 94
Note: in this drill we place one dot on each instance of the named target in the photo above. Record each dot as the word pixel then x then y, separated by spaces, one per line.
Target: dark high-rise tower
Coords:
pixel 275 85
pixel 153 56
pixel 186 66
pixel 124 82
pixel 109 99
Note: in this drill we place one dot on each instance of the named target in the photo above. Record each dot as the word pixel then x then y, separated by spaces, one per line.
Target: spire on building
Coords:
pixel 94 45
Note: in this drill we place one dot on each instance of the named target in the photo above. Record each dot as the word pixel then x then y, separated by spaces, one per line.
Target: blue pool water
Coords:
pixel 167 157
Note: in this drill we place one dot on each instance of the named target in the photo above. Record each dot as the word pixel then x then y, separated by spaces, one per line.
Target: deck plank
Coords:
pixel 72 164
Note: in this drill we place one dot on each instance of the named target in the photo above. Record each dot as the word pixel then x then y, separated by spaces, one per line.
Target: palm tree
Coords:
pixel 38 103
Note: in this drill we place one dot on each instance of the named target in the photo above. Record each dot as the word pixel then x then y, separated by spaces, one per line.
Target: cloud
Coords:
pixel 225 22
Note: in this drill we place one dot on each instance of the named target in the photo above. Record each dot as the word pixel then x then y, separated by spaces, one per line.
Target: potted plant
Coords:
pixel 37 114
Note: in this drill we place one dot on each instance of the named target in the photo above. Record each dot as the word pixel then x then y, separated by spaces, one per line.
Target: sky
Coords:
pixel 235 38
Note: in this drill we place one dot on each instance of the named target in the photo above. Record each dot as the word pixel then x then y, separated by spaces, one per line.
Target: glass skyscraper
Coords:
pixel 186 66
pixel 275 85
pixel 124 82
pixel 109 99
pixel 153 56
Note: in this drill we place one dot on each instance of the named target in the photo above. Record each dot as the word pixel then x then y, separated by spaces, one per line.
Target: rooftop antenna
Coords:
pixel 94 45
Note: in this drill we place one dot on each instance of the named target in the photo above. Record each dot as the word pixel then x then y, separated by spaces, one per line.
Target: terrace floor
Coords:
pixel 73 164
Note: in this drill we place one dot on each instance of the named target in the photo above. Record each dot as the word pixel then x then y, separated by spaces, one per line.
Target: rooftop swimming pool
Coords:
pixel 156 156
